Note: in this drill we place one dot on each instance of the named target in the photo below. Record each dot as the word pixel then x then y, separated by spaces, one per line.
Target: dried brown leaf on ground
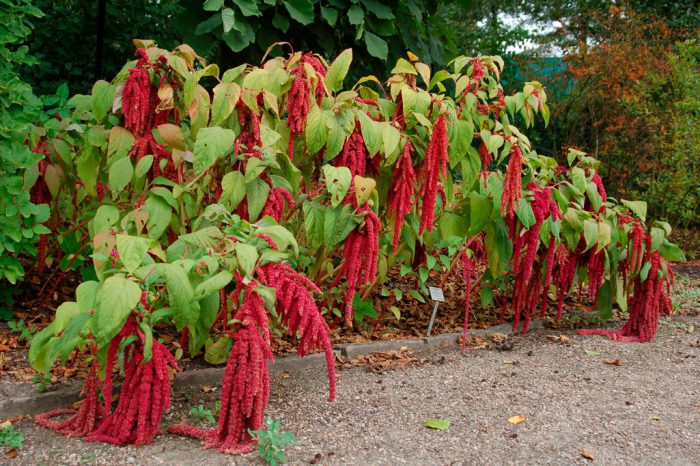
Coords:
pixel 384 361
pixel 563 339
pixel 515 420
pixel 588 454
pixel 613 362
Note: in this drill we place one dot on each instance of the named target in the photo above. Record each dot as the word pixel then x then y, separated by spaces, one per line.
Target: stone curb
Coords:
pixel 42 402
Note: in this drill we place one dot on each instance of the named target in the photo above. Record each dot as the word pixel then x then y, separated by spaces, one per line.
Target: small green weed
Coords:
pixel 11 437
pixel 271 441
pixel 202 413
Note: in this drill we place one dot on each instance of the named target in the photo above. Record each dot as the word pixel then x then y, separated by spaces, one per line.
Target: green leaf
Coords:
pixel 115 301
pixel 356 15
pixel 102 99
pixel 480 209
pixel 258 191
pixel 120 174
pixel 316 130
pixel 439 424
pixel 248 7
pixel 301 11
pixel 228 19
pixel 132 250
pixel 337 182
pixel 216 351
pixel 329 14
pixel 338 69
pixel 590 233
pixel 213 5
pixel 486 295
pixel 159 215
pixel 226 96
pixel 376 46
pixel 313 224
pixel 205 238
pixel 403 66
pixel 211 145
pixel 180 294
pixel 391 138
pixel 105 217
pixel 247 257
pixel 212 284
pixel 671 252
pixel 371 133
pixel 639 208
pixel 232 189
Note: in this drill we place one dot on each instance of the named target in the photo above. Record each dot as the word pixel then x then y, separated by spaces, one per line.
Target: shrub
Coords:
pixel 188 199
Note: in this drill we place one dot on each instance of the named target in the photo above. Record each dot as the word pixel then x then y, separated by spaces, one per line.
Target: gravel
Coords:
pixel 644 411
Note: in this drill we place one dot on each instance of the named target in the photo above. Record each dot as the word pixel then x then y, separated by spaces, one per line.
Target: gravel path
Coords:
pixel 644 411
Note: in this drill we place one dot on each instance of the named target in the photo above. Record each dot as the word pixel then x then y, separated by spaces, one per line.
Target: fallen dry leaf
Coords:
pixel 285 375
pixel 516 419
pixel 613 362
pixel 498 337
pixel 559 339
pixel 11 453
pixel 588 454
pixel 208 389
pixel 5 425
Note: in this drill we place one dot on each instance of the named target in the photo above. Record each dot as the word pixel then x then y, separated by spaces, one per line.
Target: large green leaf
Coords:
pixel 211 145
pixel 316 130
pixel 338 70
pixel 300 10
pixel 132 250
pixel 376 46
pixel 338 181
pixel 116 299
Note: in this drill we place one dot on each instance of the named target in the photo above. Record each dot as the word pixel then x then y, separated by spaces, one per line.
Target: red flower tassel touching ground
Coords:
pixel 402 188
pixel 299 312
pixel 435 162
pixel 144 397
pixel 649 300
pixel 246 385
pixel 83 421
pixel 360 254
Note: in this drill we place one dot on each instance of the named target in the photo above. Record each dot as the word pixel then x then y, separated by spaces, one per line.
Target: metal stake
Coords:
pixel 432 318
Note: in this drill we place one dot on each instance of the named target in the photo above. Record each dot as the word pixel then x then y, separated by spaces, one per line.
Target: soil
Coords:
pixel 580 397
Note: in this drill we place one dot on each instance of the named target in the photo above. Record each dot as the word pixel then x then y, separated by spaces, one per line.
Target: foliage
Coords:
pixel 11 437
pixel 21 216
pixel 271 441
pixel 184 185
pixel 636 108
pixel 379 30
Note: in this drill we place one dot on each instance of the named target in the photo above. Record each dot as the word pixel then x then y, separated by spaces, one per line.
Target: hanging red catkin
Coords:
pixel 512 185
pixel 649 300
pixel 564 276
pixel 486 157
pixel 301 316
pixel 298 104
pixel 246 385
pixel 144 397
pixel 360 253
pixel 250 131
pixel 467 273
pixel 435 162
pixel 354 154
pixel 83 421
pixel 274 206
pixel 136 101
pixel 601 191
pixel 401 193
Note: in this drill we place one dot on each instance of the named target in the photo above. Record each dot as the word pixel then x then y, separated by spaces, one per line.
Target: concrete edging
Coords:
pixel 42 402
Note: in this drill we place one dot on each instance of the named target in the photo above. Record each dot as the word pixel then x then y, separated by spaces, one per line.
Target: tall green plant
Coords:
pixel 20 218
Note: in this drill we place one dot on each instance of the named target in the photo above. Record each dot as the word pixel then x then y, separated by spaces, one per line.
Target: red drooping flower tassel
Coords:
pixel 274 206
pixel 144 397
pixel 360 254
pixel 299 96
pixel 301 316
pixel 649 300
pixel 354 154
pixel 512 186
pixel 402 188
pixel 83 421
pixel 564 276
pixel 246 385
pixel 250 131
pixel 435 162
pixel 136 101
pixel 486 157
